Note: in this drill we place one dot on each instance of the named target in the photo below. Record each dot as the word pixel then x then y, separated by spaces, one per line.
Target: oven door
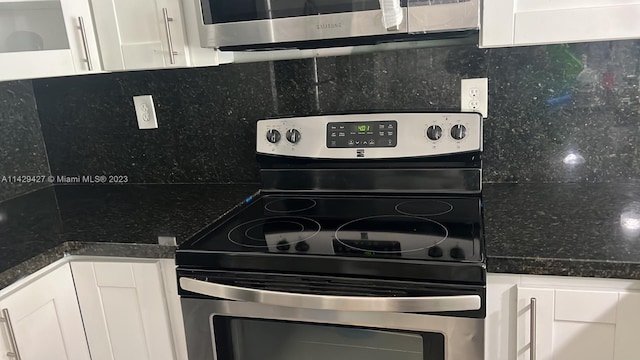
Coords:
pixel 306 326
pixel 252 22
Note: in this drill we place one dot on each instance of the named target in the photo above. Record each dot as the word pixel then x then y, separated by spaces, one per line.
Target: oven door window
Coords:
pixel 225 11
pixel 253 339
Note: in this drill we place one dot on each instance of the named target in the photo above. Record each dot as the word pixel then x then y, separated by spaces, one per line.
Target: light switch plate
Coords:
pixel 474 96
pixel 145 112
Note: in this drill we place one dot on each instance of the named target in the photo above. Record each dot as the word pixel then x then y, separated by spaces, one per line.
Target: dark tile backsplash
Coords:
pixel 557 113
pixel 564 113
pixel 419 79
pixel 22 150
pixel 29 225
pixel 205 117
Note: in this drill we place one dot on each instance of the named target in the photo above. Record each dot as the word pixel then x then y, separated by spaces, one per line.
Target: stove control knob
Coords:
pixel 302 246
pixel 283 245
pixel 458 132
pixel 293 136
pixel 435 252
pixel 434 132
pixel 273 136
pixel 457 253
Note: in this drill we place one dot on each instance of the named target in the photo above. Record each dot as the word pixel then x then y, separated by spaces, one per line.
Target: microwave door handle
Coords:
pixel 336 303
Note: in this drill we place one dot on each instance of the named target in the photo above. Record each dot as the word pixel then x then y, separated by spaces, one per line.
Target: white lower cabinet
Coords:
pixel 125 310
pixel 44 319
pixel 575 318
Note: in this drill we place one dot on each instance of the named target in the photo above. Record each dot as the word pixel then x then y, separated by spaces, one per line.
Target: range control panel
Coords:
pixel 364 134
pixel 372 136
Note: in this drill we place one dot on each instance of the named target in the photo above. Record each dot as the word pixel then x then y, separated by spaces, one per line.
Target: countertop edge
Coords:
pixel 75 248
pixel 495 264
pixel 564 267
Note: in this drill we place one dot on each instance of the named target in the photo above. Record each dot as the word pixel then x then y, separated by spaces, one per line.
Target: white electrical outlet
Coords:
pixel 474 96
pixel 145 112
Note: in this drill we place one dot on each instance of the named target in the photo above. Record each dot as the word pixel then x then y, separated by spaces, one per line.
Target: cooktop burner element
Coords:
pixel 353 226
pixel 380 234
pixel 287 206
pixel 274 232
pixel 424 207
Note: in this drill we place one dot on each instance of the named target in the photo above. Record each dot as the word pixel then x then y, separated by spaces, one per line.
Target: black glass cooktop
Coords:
pixel 412 228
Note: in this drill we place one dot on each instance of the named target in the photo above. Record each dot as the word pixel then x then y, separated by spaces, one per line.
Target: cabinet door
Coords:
pixel 628 326
pixel 500 334
pixel 530 22
pixel 138 35
pixel 497 23
pixel 46 319
pixel 44 38
pixel 124 310
pixel 170 281
pixel 544 22
pixel 5 341
pixel 570 324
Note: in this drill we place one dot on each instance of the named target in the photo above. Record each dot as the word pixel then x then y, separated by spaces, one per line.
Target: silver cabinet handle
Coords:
pixel 12 336
pixel 532 330
pixel 167 27
pixel 337 303
pixel 85 42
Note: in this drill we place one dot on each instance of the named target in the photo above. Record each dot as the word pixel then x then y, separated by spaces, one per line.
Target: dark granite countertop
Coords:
pixel 41 227
pixel 590 230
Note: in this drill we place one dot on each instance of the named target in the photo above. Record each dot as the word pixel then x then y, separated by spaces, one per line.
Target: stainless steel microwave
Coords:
pixel 304 24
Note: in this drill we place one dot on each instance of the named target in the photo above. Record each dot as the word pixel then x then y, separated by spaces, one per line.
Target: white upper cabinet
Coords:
pixel 46 38
pixel 44 320
pixel 140 34
pixel 531 22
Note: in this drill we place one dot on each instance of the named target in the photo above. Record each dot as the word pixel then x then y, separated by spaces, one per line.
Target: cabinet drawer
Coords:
pixel 586 306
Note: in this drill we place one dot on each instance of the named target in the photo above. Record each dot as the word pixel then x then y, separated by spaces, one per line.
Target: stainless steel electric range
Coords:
pixel 365 242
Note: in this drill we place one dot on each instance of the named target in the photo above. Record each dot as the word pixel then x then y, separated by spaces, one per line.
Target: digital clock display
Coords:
pixel 370 134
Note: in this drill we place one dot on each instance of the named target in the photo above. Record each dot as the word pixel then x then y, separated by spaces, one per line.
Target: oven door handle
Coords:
pixel 336 303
